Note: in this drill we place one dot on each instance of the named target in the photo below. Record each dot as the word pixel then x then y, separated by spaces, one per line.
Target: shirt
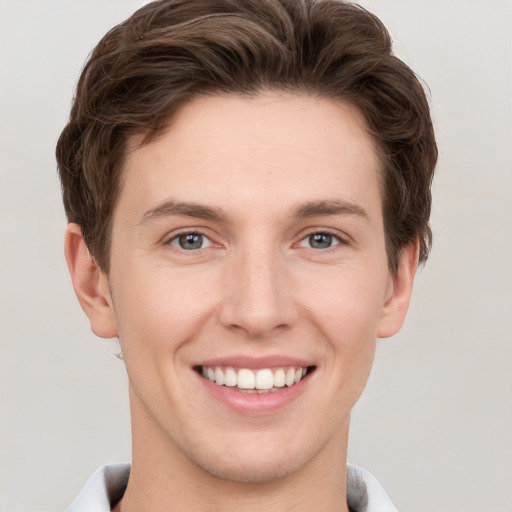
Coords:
pixel 107 485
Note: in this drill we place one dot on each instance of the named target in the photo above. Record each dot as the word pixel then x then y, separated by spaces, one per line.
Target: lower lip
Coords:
pixel 255 404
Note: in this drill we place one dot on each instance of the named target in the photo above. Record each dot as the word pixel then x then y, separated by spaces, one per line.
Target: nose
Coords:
pixel 257 296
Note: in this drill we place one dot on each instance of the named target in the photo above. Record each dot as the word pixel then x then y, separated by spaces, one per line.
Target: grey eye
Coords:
pixel 320 240
pixel 191 241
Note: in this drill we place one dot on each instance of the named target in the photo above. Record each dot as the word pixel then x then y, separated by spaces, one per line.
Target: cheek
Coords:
pixel 161 308
pixel 347 303
pixel 346 311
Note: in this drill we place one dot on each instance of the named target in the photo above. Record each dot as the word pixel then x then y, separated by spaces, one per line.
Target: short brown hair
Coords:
pixel 170 51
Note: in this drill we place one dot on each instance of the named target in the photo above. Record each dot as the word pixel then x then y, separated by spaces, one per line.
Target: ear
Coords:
pixel 90 284
pixel 399 293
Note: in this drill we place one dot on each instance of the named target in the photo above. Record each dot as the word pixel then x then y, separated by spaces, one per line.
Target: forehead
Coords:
pixel 213 117
pixel 232 149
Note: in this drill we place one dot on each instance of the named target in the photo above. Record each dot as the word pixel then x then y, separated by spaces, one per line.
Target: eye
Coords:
pixel 190 241
pixel 320 241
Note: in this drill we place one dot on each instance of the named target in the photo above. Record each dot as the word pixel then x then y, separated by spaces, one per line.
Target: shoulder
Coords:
pixel 364 492
pixel 104 489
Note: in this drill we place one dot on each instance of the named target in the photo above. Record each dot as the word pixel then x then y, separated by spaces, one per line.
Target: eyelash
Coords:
pixel 335 236
pixel 176 238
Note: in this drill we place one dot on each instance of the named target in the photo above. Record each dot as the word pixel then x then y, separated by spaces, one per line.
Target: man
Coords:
pixel 247 185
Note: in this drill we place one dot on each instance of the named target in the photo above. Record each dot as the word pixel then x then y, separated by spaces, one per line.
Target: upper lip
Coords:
pixel 254 363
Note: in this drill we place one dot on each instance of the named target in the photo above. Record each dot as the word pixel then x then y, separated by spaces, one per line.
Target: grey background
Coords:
pixel 435 422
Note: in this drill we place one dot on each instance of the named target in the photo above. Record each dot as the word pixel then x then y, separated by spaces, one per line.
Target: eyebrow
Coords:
pixel 185 209
pixel 329 207
pixel 199 211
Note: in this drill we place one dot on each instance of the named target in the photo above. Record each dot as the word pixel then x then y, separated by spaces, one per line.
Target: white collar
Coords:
pixel 107 485
pixel 365 494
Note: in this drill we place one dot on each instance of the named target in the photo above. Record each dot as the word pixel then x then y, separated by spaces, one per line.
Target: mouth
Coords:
pixel 260 381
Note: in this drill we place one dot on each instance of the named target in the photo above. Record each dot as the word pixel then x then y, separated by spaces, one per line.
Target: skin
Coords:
pixel 277 168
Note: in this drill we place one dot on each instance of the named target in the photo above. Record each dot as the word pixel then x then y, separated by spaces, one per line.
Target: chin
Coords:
pixel 254 471
pixel 257 460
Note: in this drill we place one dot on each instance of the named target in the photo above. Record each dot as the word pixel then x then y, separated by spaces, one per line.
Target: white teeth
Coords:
pixel 279 378
pixel 246 379
pixel 230 377
pixel 262 380
pixel 219 376
pixel 290 377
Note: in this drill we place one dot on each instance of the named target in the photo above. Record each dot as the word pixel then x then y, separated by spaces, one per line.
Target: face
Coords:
pixel 249 282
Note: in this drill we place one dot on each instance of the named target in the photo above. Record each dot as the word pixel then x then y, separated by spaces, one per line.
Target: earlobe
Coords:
pixel 90 284
pixel 396 305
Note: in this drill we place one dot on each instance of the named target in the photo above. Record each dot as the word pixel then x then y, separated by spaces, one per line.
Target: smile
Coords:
pixel 264 380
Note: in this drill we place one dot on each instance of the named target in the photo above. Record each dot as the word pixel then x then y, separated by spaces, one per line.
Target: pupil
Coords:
pixel 320 241
pixel 191 241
